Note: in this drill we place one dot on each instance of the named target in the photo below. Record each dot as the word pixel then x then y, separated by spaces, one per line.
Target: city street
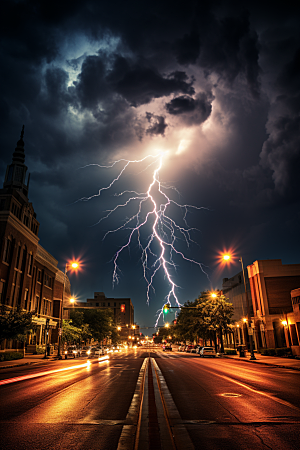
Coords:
pixel 149 399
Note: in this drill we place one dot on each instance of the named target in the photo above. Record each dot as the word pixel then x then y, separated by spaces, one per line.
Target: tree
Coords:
pixel 100 323
pixel 70 333
pixel 207 318
pixel 217 313
pixel 15 324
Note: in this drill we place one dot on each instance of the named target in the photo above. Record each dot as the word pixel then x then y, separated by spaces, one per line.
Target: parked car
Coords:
pixel 96 351
pixel 167 348
pixel 198 348
pixel 86 351
pixel 193 349
pixel 71 352
pixel 181 348
pixel 207 351
pixel 188 348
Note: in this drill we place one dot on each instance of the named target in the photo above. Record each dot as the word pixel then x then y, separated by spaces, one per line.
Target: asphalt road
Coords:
pixel 187 402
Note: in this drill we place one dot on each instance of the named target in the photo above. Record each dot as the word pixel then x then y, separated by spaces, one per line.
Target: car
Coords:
pixel 181 348
pixel 208 351
pixel 198 348
pixel 86 351
pixel 96 351
pixel 193 349
pixel 188 348
pixel 167 348
pixel 71 352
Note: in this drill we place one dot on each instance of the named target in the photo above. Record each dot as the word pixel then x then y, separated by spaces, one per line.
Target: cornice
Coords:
pixel 19 226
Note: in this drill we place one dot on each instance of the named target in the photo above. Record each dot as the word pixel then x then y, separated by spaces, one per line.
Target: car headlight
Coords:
pixel 88 352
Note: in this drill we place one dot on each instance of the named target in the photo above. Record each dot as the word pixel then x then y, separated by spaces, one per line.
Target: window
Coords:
pixel 47 280
pixel 29 264
pixel 103 304
pixel 7 250
pixel 37 303
pixel 108 304
pixel 97 304
pixel 26 299
pixel 2 285
pixel 39 276
pixel 115 304
pixel 18 257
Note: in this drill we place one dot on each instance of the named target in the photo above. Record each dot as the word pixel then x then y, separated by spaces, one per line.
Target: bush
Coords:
pixel 230 351
pixel 10 356
pixel 40 349
pixel 268 351
pixel 283 351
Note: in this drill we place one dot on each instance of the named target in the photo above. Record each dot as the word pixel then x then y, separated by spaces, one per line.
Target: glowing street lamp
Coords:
pixel 226 258
pixel 74 265
pixel 167 325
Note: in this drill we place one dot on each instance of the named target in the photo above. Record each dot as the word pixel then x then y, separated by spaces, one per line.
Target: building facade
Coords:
pixel 234 289
pixel 29 276
pixel 123 311
pixel 271 283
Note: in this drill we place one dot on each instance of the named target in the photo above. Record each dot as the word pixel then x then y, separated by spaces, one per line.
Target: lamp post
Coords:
pixel 74 265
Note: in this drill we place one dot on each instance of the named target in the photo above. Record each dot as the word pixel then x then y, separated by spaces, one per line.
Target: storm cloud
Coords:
pixel 214 85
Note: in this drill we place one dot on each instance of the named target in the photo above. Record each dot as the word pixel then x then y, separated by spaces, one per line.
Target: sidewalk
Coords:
pixel 27 360
pixel 288 363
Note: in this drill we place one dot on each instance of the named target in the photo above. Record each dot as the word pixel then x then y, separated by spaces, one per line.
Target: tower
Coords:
pixel 15 177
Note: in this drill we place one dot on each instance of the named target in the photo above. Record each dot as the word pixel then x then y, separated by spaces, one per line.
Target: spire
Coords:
pixel 16 172
pixel 19 153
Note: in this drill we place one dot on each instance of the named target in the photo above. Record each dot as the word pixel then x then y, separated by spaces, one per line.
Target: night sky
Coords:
pixel 212 88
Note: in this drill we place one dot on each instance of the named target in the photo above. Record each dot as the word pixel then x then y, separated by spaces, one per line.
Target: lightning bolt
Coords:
pixel 160 245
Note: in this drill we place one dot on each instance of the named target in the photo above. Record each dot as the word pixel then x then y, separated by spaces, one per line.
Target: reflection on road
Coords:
pixel 49 372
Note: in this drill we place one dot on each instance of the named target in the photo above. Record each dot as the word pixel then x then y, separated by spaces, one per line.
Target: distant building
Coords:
pixel 122 308
pixel 271 283
pixel 292 329
pixel 29 276
pixel 123 311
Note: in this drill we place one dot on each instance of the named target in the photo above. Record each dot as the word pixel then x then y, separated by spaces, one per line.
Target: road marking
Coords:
pixel 175 424
pixel 265 394
pixel 130 433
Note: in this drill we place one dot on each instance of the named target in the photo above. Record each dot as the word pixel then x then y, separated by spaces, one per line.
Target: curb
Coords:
pixel 262 362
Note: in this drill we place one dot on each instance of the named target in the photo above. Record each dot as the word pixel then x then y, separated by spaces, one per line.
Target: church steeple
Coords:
pixel 15 177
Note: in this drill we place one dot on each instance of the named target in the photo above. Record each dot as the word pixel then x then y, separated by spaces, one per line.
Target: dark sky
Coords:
pixel 211 89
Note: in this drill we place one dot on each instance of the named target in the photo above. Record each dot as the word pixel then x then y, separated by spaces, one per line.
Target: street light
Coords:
pixel 70 265
pixel 227 257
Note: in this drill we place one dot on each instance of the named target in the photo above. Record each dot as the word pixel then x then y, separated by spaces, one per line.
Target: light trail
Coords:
pixel 160 246
pixel 49 372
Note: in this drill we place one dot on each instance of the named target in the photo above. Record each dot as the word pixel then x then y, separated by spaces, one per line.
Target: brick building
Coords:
pixel 271 283
pixel 123 311
pixel 29 276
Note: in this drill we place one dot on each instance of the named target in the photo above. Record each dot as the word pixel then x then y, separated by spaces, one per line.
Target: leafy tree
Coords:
pixel 100 322
pixel 70 333
pixel 208 318
pixel 15 324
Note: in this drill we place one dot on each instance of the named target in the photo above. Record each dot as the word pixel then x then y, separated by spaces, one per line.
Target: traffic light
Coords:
pixel 122 308
pixel 166 308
